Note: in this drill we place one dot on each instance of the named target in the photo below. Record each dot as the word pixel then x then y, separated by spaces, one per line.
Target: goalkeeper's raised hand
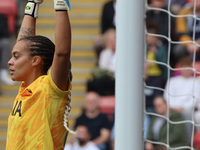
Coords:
pixel 32 8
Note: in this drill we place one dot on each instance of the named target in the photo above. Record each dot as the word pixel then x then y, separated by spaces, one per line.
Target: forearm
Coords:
pixel 103 138
pixel 62 33
pixel 27 27
pixel 100 140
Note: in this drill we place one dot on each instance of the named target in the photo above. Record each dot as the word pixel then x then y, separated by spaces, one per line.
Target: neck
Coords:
pixel 92 114
pixel 156 11
pixel 32 77
pixel 82 143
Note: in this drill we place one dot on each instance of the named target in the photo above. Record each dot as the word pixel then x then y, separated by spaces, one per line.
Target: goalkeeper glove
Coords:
pixel 32 8
pixel 62 5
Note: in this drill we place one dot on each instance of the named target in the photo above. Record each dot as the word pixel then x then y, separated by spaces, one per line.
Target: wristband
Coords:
pixel 32 9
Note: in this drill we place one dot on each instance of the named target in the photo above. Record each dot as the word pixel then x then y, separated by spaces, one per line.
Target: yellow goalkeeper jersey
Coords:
pixel 36 120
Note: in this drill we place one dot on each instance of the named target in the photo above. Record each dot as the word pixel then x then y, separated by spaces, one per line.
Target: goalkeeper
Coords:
pixel 43 100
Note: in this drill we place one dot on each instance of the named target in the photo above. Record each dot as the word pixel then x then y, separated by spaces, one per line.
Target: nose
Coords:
pixel 10 62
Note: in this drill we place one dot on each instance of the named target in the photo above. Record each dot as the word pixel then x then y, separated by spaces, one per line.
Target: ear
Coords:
pixel 36 60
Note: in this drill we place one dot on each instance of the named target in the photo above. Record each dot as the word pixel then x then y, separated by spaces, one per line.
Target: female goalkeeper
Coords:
pixel 43 101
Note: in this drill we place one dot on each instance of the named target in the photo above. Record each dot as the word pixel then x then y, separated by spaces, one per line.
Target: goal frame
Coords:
pixel 130 44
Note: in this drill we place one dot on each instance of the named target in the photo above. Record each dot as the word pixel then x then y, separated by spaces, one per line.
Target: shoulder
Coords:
pixel 175 116
pixel 162 47
pixel 49 85
pixel 149 14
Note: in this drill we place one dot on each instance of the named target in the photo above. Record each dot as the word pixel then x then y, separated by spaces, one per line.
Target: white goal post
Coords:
pixel 129 75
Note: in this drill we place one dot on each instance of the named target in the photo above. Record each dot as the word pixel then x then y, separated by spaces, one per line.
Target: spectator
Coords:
pixel 185 30
pixel 151 93
pixel 156 51
pixel 179 92
pixel 97 123
pixel 8 14
pixel 108 21
pixel 158 128
pixel 107 57
pixel 162 19
pixel 5 50
pixel 103 81
pixel 82 140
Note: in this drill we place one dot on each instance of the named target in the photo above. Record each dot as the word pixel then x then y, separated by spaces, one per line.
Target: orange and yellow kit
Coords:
pixel 36 120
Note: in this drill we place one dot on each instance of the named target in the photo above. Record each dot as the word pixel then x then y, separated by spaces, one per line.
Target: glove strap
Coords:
pixel 32 9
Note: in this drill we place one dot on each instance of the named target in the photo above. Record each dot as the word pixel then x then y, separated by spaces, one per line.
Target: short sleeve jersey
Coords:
pixel 36 120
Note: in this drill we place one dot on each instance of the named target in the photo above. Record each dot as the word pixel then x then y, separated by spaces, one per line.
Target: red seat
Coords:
pixel 196 142
pixel 107 106
pixel 9 9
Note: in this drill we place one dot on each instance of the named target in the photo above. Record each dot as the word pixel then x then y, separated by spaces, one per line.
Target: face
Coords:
pixel 152 39
pixel 186 72
pixel 111 41
pixel 158 3
pixel 160 106
pixel 83 134
pixel 20 64
pixel 91 102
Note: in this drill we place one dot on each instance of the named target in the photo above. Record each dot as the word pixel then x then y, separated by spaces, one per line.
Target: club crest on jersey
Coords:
pixel 28 7
pixel 17 108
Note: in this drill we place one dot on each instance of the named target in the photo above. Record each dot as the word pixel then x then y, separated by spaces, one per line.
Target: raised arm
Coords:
pixel 27 27
pixel 60 66
pixel 28 24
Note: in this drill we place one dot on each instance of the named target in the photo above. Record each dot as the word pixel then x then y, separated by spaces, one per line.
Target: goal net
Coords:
pixel 172 69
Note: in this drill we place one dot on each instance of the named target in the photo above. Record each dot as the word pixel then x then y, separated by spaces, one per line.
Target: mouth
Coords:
pixel 11 71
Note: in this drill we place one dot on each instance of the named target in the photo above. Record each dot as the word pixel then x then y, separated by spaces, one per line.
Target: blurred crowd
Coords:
pixel 180 99
pixel 8 29
pixel 173 86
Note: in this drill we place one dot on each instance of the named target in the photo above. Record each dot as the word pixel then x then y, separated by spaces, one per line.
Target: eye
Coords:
pixel 15 56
